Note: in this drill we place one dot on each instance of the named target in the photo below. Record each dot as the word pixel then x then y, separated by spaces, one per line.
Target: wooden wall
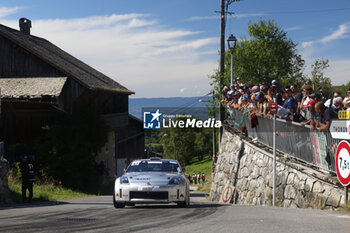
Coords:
pixel 133 148
pixel 17 62
pixel 104 102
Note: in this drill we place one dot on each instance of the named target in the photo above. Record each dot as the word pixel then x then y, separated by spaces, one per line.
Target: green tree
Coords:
pixel 318 80
pixel 267 55
pixel 66 150
pixel 187 143
pixel 343 89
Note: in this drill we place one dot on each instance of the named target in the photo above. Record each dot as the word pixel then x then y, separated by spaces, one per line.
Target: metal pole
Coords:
pixel 222 61
pixel 346 194
pixel 231 66
pixel 214 129
pixel 274 160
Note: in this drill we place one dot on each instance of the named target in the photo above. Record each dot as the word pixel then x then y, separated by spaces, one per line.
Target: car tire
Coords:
pixel 118 204
pixel 186 203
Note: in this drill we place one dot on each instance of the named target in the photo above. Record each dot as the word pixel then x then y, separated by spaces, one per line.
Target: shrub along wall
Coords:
pixel 5 196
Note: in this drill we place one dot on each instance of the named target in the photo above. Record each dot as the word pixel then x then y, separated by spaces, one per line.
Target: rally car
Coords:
pixel 152 180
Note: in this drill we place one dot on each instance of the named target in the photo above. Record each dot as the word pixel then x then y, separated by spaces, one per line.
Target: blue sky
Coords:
pixel 168 48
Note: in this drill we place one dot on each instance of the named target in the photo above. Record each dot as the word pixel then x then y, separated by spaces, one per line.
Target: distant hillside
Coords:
pixel 136 104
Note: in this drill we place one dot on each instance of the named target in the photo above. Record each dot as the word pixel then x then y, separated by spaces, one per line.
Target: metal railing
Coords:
pixel 313 147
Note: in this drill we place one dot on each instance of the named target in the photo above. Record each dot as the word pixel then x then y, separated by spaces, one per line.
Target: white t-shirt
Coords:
pixel 328 104
pixel 306 101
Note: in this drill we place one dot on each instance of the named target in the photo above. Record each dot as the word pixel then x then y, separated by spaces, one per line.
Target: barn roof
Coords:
pixel 31 88
pixel 62 61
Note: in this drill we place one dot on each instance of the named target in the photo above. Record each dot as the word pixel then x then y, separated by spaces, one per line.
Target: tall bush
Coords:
pixel 66 151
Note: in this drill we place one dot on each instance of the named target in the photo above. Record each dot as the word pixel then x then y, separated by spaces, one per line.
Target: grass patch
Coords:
pixel 345 207
pixel 42 192
pixel 201 166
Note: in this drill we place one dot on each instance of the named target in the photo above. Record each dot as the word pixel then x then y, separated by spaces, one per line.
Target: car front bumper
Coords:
pixel 149 194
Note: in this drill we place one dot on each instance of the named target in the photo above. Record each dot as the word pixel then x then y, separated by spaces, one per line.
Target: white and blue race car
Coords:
pixel 152 180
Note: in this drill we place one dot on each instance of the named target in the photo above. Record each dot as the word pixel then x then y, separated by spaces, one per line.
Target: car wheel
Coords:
pixel 185 203
pixel 118 204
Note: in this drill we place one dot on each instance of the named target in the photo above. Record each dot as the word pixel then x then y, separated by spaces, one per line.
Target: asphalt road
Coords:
pixel 97 214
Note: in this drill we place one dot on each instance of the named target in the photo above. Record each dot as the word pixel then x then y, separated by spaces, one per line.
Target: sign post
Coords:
pixel 342 162
pixel 273 110
pixel 274 160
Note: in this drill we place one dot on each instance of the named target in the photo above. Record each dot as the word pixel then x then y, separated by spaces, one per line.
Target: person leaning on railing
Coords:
pixel 330 102
pixel 347 98
pixel 347 105
pixel 290 102
pixel 313 115
pixel 324 117
pixel 338 103
pixel 224 95
pixel 306 91
pixel 252 105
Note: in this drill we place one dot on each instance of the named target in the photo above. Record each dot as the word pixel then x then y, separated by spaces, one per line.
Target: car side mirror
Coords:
pixel 183 169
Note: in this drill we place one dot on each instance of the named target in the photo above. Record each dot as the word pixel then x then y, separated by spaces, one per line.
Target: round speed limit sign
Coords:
pixel 342 162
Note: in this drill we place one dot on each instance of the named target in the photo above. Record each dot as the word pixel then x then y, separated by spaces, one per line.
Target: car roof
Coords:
pixel 158 159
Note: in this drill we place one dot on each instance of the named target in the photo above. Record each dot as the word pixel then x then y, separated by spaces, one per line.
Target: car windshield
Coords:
pixel 153 166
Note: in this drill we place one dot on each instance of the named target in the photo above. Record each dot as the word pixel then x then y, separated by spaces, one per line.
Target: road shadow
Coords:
pixel 171 206
pixel 198 194
pixel 31 205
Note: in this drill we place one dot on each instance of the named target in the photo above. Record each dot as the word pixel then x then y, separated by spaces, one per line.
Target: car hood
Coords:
pixel 150 178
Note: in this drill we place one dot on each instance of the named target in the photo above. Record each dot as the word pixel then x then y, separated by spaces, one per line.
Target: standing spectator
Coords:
pixel 232 88
pixel 194 178
pixel 279 93
pixel 27 171
pixel 329 103
pixel 271 95
pixel 307 91
pixel 290 102
pixel 323 96
pixel 274 84
pixel 347 105
pixel 297 96
pixel 255 89
pixel 324 116
pixel 261 104
pixel 347 97
pixel 198 177
pixel 313 115
pixel 224 94
pixel 279 96
pixel 338 103
pixel 203 178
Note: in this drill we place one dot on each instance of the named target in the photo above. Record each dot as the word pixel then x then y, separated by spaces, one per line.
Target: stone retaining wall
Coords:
pixel 248 169
pixel 5 196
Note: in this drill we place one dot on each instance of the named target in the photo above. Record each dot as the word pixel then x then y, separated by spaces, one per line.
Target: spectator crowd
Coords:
pixel 305 106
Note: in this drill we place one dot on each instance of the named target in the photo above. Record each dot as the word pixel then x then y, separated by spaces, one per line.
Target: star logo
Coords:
pixel 151 120
pixel 156 115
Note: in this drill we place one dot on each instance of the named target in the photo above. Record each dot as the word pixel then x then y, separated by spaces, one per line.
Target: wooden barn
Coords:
pixel 39 81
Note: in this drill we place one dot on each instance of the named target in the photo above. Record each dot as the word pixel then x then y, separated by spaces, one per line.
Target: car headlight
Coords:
pixel 175 181
pixel 124 180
